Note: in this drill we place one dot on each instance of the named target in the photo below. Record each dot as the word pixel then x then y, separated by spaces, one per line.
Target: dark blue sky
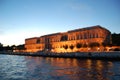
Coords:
pixel 20 19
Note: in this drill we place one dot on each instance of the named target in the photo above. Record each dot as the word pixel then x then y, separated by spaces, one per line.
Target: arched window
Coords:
pixel 81 36
pixel 72 38
pixel 38 41
pixel 96 35
pixel 90 35
pixel 78 37
pixel 64 38
pixel 85 36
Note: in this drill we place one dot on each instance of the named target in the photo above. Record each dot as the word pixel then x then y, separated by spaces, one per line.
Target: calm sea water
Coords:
pixel 41 68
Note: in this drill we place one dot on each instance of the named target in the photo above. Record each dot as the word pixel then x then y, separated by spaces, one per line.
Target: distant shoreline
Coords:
pixel 114 55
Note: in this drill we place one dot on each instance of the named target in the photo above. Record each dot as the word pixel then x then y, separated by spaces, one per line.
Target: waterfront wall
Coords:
pixel 92 55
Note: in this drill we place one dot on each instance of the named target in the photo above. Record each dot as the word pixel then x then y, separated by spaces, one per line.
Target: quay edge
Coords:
pixel 115 55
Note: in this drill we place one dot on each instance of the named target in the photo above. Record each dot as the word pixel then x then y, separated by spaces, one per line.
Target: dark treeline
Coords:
pixel 116 39
pixel 11 48
pixel 115 42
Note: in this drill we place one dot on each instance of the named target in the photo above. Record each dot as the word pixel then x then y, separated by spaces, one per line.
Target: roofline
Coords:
pixel 32 38
pixel 87 28
pixel 70 31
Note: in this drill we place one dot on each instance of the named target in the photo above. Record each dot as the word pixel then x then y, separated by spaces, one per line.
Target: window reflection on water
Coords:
pixel 72 69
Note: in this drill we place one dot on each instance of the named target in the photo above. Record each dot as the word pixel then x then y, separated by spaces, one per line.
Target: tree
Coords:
pixel 71 47
pixel 13 47
pixel 8 48
pixel 116 49
pixel 116 39
pixel 104 44
pixel 78 45
pixel 21 47
pixel 94 44
pixel 66 46
pixel 85 45
pixel 1 47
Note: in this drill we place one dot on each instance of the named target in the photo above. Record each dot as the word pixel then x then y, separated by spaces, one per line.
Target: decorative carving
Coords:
pixel 71 41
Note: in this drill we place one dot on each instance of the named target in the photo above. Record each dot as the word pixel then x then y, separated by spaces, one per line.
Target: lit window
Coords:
pixel 38 41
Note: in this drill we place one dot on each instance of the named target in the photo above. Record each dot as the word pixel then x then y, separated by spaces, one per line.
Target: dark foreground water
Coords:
pixel 41 68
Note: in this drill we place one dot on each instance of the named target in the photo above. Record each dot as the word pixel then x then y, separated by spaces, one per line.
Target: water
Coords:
pixel 41 68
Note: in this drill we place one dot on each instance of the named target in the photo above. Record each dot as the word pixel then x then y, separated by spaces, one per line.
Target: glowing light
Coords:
pixel 66 42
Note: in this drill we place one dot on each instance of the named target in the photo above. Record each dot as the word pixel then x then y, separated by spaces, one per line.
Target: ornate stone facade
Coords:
pixel 83 39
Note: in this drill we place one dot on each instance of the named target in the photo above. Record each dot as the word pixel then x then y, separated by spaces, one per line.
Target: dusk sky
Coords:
pixel 21 19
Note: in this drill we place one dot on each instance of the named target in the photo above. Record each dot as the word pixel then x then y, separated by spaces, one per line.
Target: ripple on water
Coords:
pixel 40 68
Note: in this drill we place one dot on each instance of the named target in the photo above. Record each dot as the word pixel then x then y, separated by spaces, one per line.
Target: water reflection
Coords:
pixel 45 68
pixel 72 69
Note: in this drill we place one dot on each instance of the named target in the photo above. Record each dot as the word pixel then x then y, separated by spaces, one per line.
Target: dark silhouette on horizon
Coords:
pixel 115 42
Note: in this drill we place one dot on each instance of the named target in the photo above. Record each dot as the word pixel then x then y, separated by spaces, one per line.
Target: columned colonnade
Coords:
pixel 70 41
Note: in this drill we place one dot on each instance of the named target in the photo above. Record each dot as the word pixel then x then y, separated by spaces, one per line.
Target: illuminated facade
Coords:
pixel 71 41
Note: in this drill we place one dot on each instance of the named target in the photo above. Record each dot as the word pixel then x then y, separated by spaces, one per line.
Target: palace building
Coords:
pixel 78 40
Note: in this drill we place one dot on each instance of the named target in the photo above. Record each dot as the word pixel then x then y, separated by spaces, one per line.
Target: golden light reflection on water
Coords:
pixel 89 62
pixel 99 65
pixel 74 69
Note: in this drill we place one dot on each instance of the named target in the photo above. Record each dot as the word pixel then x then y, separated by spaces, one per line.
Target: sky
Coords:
pixel 21 19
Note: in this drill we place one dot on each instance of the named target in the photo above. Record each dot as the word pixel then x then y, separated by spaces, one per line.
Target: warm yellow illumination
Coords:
pixel 78 40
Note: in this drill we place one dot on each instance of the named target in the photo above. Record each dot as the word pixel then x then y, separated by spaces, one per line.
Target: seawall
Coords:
pixel 115 55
